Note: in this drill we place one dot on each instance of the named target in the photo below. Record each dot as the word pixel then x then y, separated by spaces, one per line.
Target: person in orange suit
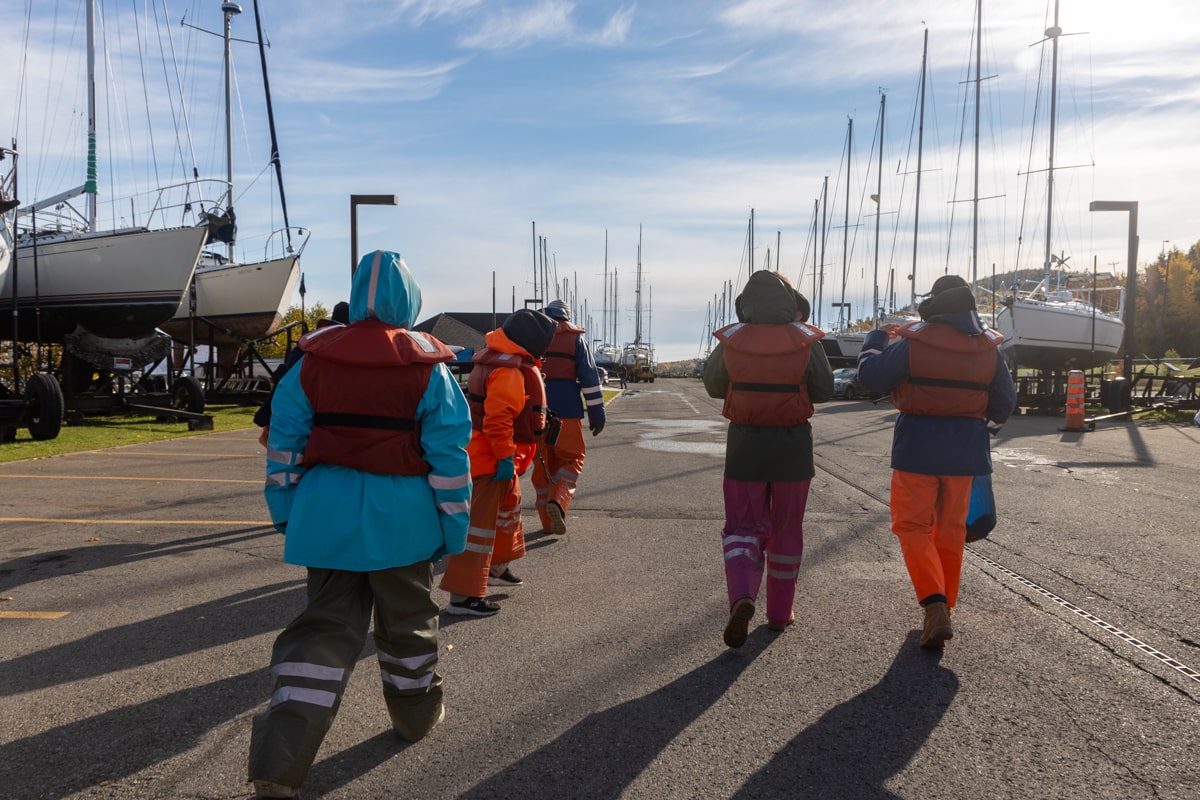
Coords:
pixel 507 398
pixel 952 388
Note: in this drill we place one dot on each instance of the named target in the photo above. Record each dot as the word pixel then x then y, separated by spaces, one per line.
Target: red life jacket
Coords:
pixel 766 365
pixel 559 361
pixel 364 382
pixel 530 423
pixel 949 371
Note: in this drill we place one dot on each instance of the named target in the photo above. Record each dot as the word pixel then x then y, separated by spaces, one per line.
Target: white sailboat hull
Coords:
pixel 115 284
pixel 1056 335
pixel 242 301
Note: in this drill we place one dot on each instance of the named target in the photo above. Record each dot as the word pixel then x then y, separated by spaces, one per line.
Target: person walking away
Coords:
pixel 508 416
pixel 952 388
pixel 770 369
pixel 368 480
pixel 572 386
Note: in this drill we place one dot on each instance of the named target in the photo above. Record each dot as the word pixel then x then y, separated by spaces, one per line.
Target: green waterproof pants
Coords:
pixel 314 656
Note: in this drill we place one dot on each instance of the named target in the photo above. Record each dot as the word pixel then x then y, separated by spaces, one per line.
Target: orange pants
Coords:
pixel 557 469
pixel 495 535
pixel 929 517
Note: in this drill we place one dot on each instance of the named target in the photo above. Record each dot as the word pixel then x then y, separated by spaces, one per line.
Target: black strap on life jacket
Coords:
pixel 948 383
pixel 555 354
pixel 790 388
pixel 364 421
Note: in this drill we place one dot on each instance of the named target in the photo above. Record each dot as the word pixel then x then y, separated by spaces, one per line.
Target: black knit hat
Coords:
pixel 531 330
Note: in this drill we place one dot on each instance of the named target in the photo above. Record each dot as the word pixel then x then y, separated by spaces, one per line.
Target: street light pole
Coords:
pixel 357 200
pixel 1130 206
pixel 1162 321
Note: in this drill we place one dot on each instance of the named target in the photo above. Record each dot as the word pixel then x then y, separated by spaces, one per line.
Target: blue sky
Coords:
pixel 587 117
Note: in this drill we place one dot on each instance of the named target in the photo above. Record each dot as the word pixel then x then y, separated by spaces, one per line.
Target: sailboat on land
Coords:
pixel 637 358
pixel 232 302
pixel 1049 325
pixel 98 290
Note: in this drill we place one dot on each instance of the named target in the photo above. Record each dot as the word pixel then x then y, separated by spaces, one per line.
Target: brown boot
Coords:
pixel 937 627
pixel 738 626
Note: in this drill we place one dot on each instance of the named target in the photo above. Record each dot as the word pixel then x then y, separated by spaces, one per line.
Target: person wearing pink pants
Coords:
pixel 770 369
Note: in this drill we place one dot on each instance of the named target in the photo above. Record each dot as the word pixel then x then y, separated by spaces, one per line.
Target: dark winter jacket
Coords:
pixel 937 445
pixel 760 453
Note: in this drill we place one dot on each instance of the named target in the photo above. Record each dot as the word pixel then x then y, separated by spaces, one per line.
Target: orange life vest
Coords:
pixel 766 365
pixel 949 372
pixel 364 382
pixel 530 422
pixel 559 361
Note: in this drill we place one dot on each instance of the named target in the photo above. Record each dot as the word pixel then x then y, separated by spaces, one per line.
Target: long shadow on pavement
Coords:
pixel 606 752
pixel 851 751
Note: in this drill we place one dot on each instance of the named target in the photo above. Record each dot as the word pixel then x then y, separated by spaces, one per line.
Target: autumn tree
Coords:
pixel 1168 304
pixel 300 324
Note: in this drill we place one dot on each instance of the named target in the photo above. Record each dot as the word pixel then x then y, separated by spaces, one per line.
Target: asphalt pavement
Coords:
pixel 142 589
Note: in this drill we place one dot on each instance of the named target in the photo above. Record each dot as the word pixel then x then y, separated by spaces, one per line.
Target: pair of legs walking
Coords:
pixel 555 474
pixel 763 534
pixel 495 538
pixel 929 517
pixel 314 656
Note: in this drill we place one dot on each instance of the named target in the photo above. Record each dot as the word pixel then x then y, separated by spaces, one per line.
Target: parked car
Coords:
pixel 845 383
pixel 603 373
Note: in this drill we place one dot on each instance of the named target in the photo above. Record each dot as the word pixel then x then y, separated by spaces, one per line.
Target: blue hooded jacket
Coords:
pixel 935 445
pixel 336 517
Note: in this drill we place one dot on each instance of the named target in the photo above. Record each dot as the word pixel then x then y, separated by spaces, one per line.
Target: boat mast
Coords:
pixel 90 187
pixel 824 239
pixel 1052 33
pixel 975 191
pixel 637 293
pixel 920 149
pixel 604 310
pixel 844 320
pixel 878 214
pixel 230 10
pixel 750 240
pixel 262 57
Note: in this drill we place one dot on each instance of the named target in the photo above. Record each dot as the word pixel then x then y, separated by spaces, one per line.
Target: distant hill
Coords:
pixel 688 368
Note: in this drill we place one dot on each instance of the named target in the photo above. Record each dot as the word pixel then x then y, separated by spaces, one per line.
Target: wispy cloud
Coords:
pixel 320 81
pixel 514 28
pixel 547 21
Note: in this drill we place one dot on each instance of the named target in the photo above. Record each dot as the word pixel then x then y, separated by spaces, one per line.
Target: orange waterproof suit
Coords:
pixel 508 407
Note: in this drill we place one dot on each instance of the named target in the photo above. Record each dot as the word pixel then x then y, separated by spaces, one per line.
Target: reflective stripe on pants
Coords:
pixel 557 469
pixel 496 535
pixel 764 519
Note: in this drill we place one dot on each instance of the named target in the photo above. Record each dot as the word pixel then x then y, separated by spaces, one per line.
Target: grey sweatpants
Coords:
pixel 314 656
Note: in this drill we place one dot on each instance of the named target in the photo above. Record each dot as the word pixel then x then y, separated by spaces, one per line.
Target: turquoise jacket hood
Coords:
pixel 384 289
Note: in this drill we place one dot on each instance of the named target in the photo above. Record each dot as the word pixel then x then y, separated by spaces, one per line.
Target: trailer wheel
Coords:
pixel 188 395
pixel 44 403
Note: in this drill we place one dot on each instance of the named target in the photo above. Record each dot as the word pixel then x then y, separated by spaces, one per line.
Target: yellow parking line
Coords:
pixel 33 614
pixel 138 521
pixel 123 478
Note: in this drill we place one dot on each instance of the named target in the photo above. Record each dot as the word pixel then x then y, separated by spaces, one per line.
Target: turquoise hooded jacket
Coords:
pixel 336 517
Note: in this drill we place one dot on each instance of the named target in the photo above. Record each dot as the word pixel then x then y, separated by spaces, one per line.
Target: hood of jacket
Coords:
pixel 384 289
pixel 967 322
pixel 766 300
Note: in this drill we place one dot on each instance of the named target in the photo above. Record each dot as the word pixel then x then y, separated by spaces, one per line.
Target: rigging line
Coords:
pixel 137 28
pixel 187 125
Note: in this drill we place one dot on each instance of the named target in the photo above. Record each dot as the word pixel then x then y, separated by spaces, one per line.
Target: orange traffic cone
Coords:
pixel 1075 401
